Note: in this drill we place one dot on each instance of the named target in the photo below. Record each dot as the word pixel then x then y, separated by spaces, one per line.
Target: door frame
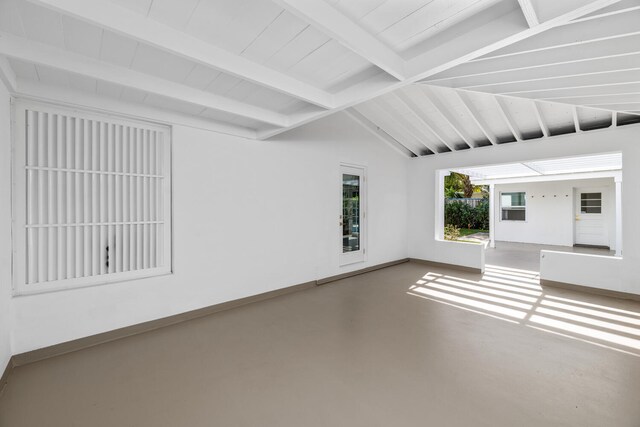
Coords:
pixel 606 195
pixel 347 258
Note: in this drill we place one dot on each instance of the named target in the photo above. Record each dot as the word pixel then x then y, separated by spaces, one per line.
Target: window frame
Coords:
pixel 19 196
pixel 524 207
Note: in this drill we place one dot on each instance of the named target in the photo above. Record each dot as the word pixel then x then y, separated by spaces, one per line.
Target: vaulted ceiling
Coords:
pixel 429 76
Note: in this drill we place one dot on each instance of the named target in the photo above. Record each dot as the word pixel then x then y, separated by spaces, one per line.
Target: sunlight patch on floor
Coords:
pixel 515 295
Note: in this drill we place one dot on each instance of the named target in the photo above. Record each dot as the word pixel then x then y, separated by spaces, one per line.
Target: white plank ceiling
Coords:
pixel 428 75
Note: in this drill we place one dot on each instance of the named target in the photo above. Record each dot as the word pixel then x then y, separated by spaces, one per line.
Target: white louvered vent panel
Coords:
pixel 97 196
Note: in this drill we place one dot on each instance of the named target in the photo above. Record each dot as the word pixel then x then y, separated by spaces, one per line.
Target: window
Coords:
pixel 92 201
pixel 591 203
pixel 513 206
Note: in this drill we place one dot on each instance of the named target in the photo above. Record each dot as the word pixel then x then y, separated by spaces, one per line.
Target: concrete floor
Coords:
pixel 408 345
pixel 527 256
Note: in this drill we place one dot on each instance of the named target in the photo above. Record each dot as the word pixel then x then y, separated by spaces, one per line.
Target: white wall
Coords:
pixel 5 228
pixel 249 217
pixel 550 219
pixel 422 174
pixel 594 271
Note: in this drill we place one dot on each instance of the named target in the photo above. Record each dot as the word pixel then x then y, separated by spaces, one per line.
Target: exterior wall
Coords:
pixel 550 219
pixel 5 228
pixel 626 139
pixel 248 217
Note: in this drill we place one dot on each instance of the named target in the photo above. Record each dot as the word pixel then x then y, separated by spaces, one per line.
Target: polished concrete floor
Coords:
pixel 409 345
pixel 527 256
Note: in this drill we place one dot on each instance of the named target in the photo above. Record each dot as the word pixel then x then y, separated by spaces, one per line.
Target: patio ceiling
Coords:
pixel 540 168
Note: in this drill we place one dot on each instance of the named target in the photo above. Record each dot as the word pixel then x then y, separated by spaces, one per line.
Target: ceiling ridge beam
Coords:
pixel 380 133
pixel 529 13
pixel 444 112
pixel 474 116
pixel 45 55
pixel 413 108
pixel 339 27
pixel 134 25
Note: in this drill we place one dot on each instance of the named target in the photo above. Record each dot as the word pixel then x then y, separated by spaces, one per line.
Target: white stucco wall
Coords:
pixel 550 214
pixel 249 217
pixel 626 139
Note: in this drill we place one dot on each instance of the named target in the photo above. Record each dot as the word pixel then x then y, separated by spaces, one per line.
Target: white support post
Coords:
pixel 439 204
pixel 492 216
pixel 618 181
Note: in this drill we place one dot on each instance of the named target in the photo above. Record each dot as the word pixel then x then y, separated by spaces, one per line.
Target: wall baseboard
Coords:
pixel 361 271
pixel 93 340
pixel 445 265
pixel 4 379
pixel 589 289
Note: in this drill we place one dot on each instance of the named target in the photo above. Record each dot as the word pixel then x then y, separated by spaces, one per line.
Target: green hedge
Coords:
pixel 462 215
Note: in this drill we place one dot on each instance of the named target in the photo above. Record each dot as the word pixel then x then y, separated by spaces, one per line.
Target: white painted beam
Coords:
pixel 400 132
pixel 330 21
pixel 41 54
pixel 576 121
pixel 608 98
pixel 529 13
pixel 409 117
pixel 415 106
pixel 559 95
pixel 121 20
pixel 507 119
pixel 448 117
pixel 405 121
pixel 602 49
pixel 549 178
pixel 379 133
pixel 543 126
pixel 544 72
pixel 73 98
pixel 7 75
pixel 475 117
pixel 600 79
pixel 576 33
pixel 624 107
pixel 462 46
pixel 490 36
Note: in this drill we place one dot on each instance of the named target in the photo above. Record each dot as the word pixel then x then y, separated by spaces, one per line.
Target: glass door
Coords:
pixel 352 215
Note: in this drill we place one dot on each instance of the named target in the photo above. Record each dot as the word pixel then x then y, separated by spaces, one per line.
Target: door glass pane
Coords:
pixel 350 213
pixel 591 203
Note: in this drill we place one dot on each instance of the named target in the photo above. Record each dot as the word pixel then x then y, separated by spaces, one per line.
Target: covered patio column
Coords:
pixel 618 181
pixel 492 216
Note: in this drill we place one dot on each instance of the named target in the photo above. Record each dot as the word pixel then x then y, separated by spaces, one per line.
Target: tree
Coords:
pixel 459 185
